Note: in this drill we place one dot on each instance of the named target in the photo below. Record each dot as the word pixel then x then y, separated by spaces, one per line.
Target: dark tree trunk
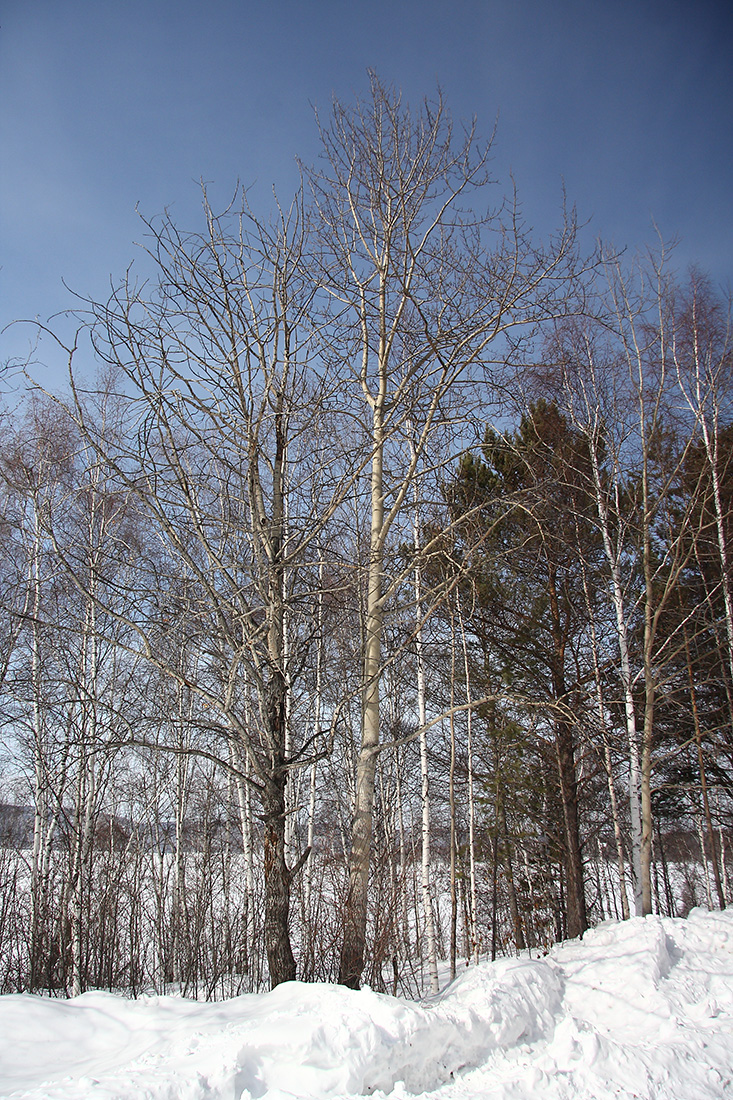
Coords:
pixel 577 917
pixel 277 875
pixel 519 938
pixel 355 913
pixel 280 957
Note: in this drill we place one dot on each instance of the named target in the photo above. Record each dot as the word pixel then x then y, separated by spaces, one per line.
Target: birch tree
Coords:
pixel 620 388
pixel 37 475
pixel 641 308
pixel 420 288
pixel 702 353
pixel 598 406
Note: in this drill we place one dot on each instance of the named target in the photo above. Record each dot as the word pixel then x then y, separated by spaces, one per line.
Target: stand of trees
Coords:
pixel 311 669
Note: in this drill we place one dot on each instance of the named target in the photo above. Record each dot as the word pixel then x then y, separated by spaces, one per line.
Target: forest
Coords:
pixel 369 603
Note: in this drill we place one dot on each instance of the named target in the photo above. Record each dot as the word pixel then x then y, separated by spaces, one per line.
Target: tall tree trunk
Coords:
pixel 471 805
pixel 452 804
pixel 317 708
pixel 355 914
pixel 650 687
pixel 607 762
pixel 519 938
pixel 613 556
pixel 427 900
pixel 277 875
pixel 453 854
pixel 577 918
pixel 618 837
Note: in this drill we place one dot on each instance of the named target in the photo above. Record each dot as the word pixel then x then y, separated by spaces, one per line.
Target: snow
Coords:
pixel 641 1009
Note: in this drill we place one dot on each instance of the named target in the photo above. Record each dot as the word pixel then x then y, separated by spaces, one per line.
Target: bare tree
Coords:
pixel 702 353
pixel 420 287
pixel 600 408
pixel 619 380
pixel 220 448
pixel 36 474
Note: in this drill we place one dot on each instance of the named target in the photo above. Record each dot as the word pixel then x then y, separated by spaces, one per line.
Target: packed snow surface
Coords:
pixel 642 1009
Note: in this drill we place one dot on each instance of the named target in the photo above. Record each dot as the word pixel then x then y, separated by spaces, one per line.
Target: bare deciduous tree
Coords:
pixel 221 451
pixel 420 287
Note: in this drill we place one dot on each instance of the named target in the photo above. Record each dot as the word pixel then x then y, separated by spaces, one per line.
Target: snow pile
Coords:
pixel 642 1009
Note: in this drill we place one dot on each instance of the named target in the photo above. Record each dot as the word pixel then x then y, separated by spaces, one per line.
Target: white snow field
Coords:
pixel 642 1009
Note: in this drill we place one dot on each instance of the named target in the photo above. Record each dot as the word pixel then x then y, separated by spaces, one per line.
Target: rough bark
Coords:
pixel 577 917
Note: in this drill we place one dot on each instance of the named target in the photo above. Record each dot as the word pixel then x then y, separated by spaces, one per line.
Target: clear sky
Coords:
pixel 106 105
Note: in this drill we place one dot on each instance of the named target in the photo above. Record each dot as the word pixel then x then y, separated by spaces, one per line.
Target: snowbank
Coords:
pixel 642 1009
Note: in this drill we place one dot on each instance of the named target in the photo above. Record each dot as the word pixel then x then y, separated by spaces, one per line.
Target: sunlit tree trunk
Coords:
pixel 600 705
pixel 471 805
pixel 427 899
pixel 355 917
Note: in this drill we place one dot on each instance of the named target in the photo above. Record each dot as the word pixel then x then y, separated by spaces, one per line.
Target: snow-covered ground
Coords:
pixel 642 1009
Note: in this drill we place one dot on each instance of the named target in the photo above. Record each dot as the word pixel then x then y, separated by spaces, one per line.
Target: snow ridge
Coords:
pixel 641 1009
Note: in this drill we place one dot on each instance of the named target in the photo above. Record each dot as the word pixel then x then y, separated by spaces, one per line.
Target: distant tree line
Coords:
pixel 372 603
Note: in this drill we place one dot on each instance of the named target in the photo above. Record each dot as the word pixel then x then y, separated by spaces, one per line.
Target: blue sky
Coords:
pixel 107 105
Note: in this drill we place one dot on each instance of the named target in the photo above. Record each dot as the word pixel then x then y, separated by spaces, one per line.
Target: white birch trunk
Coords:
pixel 607 753
pixel 613 555
pixel 427 899
pixel 471 805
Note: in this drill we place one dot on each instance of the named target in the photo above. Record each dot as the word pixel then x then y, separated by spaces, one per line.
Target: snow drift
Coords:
pixel 642 1009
